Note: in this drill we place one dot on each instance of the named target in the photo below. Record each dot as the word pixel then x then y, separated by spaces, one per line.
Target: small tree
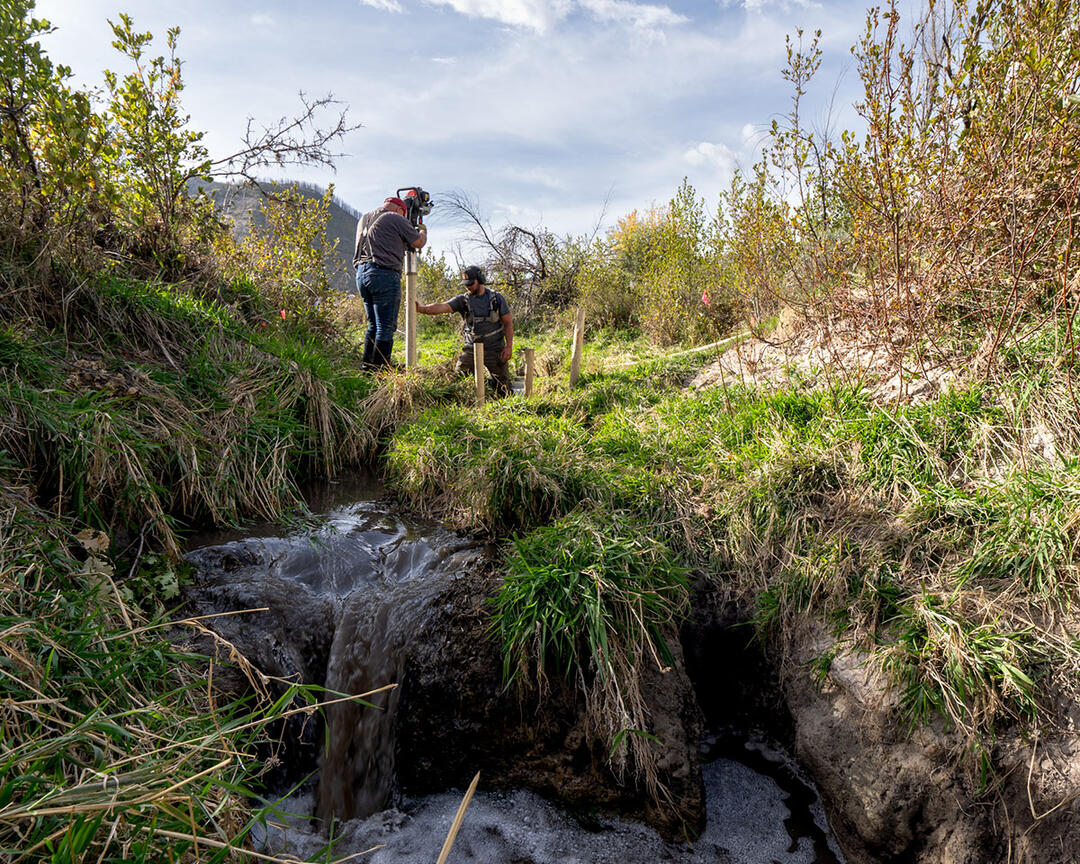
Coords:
pixel 155 153
pixel 50 139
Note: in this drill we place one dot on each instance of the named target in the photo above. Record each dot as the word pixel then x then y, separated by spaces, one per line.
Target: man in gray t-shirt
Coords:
pixel 486 318
pixel 382 238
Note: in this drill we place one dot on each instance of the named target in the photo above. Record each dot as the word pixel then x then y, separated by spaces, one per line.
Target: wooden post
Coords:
pixel 478 371
pixel 530 365
pixel 412 258
pixel 579 342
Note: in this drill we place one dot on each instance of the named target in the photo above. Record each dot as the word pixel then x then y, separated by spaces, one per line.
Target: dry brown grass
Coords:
pixel 117 745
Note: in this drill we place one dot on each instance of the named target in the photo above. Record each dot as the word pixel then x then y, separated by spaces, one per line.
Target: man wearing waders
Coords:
pixel 382 237
pixel 486 317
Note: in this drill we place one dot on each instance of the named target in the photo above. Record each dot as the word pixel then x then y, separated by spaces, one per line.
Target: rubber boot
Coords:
pixel 383 349
pixel 369 352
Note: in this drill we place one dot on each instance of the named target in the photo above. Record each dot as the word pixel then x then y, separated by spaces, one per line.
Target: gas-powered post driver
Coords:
pixel 417 206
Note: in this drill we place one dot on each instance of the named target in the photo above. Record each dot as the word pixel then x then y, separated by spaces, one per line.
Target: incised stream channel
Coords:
pixel 345 595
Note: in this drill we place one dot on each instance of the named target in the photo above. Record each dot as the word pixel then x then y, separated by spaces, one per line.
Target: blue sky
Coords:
pixel 539 109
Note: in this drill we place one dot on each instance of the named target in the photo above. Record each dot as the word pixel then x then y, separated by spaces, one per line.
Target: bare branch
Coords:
pixel 300 140
pixel 465 209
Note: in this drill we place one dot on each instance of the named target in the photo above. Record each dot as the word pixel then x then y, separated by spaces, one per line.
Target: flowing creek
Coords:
pixel 345 592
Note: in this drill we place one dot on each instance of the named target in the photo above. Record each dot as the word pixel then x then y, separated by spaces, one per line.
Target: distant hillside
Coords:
pixel 239 203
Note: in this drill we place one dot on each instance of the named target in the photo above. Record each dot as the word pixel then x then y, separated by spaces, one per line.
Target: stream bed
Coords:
pixel 760 811
pixel 335 599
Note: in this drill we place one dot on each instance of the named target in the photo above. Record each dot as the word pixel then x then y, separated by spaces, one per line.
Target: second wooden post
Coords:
pixel 579 342
pixel 478 370
pixel 530 365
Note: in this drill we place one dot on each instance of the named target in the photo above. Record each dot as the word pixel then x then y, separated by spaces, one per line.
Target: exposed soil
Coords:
pixel 457 718
pixel 795 351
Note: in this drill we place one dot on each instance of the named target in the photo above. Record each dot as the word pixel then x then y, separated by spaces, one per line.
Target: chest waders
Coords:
pixel 493 317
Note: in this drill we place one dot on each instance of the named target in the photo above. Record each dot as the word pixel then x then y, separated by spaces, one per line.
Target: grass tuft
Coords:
pixel 593 597
pixel 116 746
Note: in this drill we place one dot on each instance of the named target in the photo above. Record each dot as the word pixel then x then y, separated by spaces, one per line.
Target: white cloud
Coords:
pixel 383 5
pixel 718 156
pixel 261 19
pixel 764 5
pixel 538 15
pixel 542 15
pixel 446 61
pixel 641 16
pixel 535 177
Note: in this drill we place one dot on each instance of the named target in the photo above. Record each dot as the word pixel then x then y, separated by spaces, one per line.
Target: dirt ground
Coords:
pixel 796 352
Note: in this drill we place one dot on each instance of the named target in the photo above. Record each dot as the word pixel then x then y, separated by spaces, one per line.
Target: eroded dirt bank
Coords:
pixel 890 796
pixel 894 796
pixel 892 793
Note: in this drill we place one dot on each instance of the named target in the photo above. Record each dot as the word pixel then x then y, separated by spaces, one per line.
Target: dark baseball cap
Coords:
pixel 474 272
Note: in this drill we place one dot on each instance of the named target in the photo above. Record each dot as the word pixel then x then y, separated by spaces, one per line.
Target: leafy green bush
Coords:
pixel 659 272
pixel 153 152
pixel 285 252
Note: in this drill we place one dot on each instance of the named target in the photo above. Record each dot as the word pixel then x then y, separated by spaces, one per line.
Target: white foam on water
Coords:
pixel 746 813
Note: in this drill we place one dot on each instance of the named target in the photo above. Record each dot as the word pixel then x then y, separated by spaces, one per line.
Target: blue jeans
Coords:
pixel 380 289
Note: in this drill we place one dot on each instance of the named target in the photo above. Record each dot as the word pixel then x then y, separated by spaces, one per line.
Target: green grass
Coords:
pixel 576 589
pixel 593 597
pixel 971 673
pixel 808 503
pixel 113 747
pixel 175 408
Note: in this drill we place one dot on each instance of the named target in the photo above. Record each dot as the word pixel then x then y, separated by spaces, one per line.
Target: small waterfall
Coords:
pixel 345 599
pixel 356 777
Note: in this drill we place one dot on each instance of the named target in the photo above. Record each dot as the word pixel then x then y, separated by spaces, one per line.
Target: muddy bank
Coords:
pixel 361 597
pixel 899 797
pixel 892 793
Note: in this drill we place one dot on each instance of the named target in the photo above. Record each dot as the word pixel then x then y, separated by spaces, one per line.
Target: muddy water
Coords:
pixel 345 592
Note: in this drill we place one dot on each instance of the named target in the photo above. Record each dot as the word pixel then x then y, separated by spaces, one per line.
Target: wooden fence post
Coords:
pixel 579 342
pixel 530 367
pixel 478 371
pixel 411 264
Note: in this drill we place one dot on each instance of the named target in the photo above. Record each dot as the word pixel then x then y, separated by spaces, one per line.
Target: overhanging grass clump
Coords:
pixel 593 597
pixel 148 403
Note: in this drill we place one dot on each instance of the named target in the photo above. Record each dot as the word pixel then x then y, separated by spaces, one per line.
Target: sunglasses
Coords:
pixel 468 281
